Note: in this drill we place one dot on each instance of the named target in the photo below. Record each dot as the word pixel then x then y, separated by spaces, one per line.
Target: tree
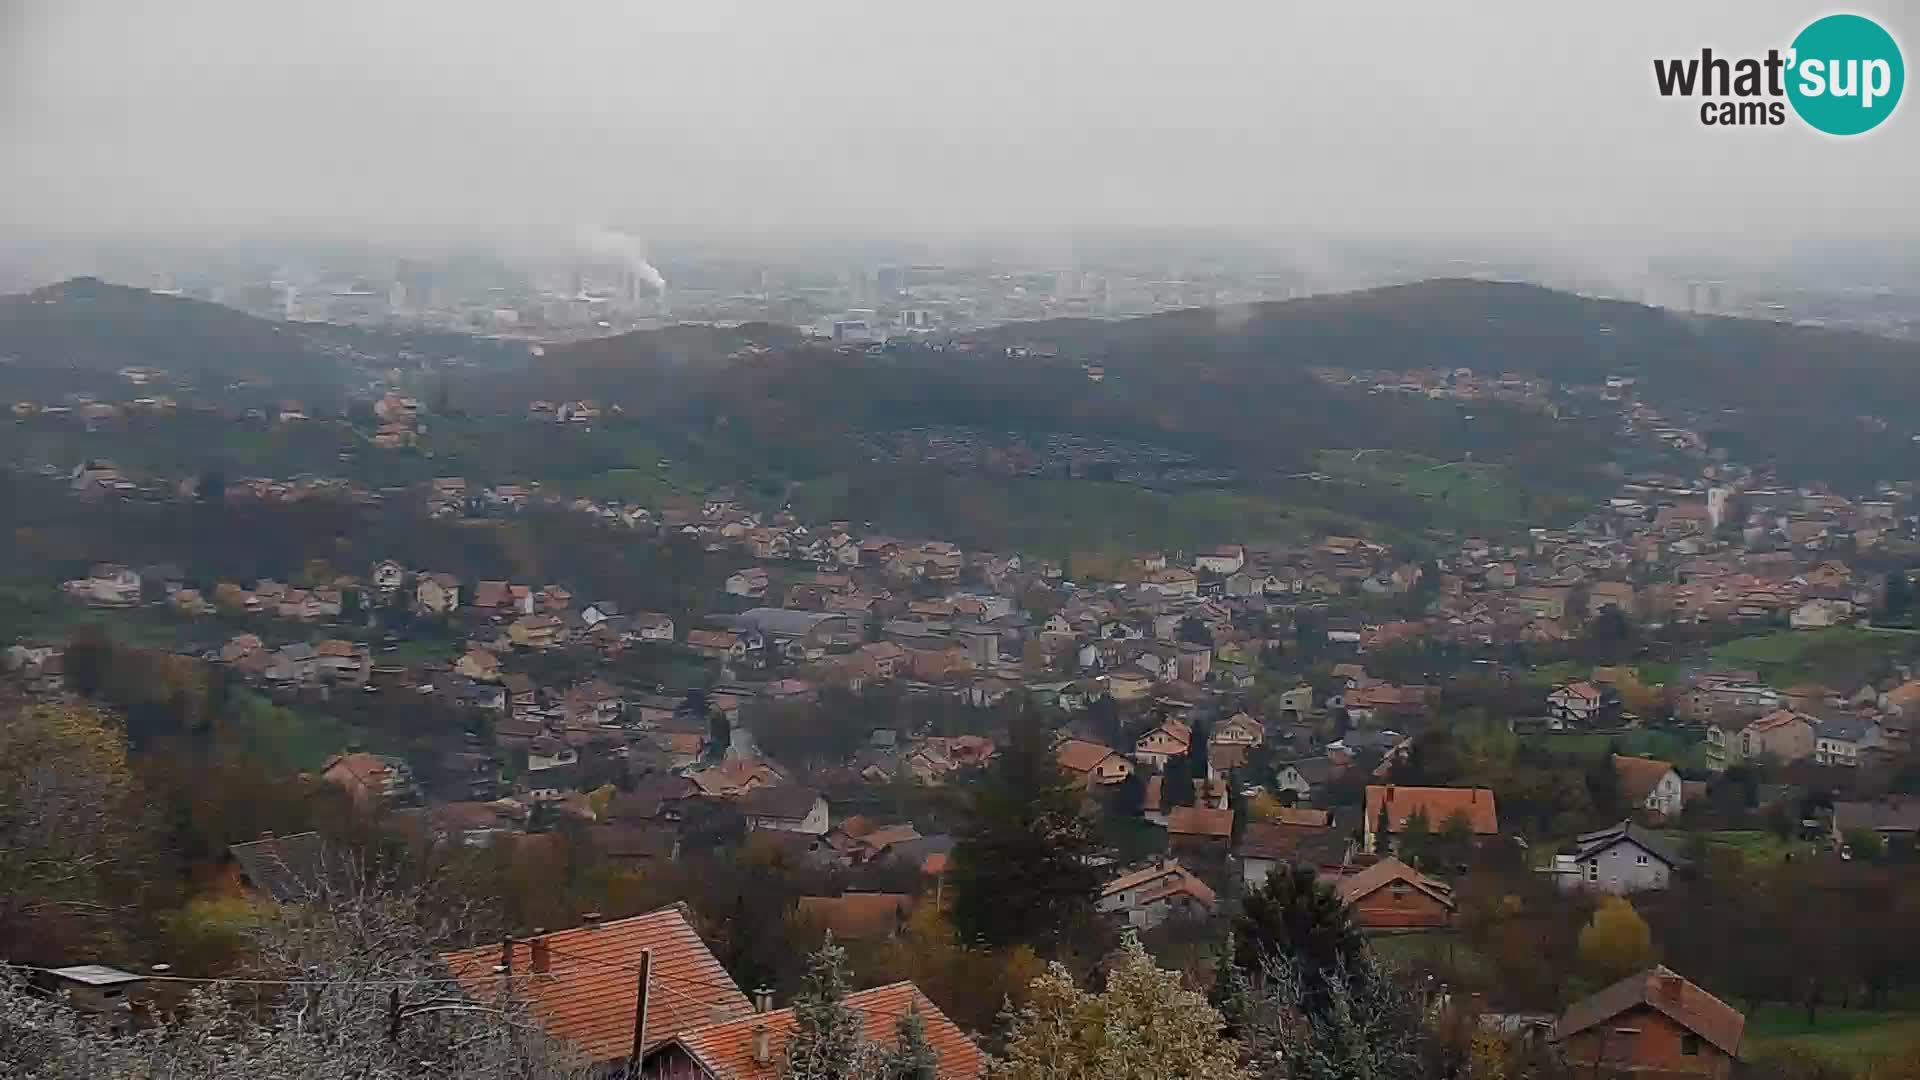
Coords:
pixel 1145 1026
pixel 1352 1022
pixel 1130 794
pixel 911 1057
pixel 1021 869
pixel 1176 787
pixel 1416 838
pixel 1231 994
pixel 829 1037
pixel 1615 943
pixel 1897 598
pixel 1295 919
pixel 1198 750
pixel 719 732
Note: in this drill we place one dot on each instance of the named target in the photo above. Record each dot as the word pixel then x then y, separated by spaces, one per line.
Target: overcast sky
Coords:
pixel 1408 115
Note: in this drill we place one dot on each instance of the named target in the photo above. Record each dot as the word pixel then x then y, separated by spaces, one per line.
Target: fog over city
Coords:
pixel 1397 117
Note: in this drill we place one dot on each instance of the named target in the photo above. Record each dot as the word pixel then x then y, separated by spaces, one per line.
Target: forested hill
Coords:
pixel 1499 326
pixel 89 325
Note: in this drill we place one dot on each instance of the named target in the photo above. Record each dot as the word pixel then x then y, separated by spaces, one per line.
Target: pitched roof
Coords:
pixel 591 987
pixel 1592 843
pixel 1660 989
pixel 787 801
pixel 1180 880
pixel 1386 872
pixel 1076 755
pixel 1439 804
pixel 726 1050
pixel 287 868
pixel 1200 821
pixel 1639 776
pixel 857 916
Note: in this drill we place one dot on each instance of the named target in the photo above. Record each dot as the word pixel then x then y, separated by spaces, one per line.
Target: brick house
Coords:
pixel 1656 1023
pixel 1396 805
pixel 1390 895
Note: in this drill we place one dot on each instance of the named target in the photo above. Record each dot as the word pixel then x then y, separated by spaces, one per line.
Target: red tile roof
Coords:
pixel 857 916
pixel 1639 776
pixel 1661 989
pixel 1386 872
pixel 726 1050
pixel 591 987
pixel 1439 803
pixel 1200 821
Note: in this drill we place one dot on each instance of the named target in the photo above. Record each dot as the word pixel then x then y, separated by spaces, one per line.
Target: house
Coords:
pixel 1147 897
pixel 1305 837
pixel 1782 734
pixel 1300 776
pixel 1575 703
pixel 1090 764
pixel 435 594
pixel 718 644
pixel 858 916
pixel 1395 805
pixel 284 869
pixel 542 631
pixel 367 780
pixel 653 626
pixel 785 808
pixel 1223 560
pixel 342 661
pixel 1162 744
pixel 478 665
pixel 1654 1023
pixel 586 993
pixel 1620 859
pixel 1838 740
pixel 1893 817
pixel 1128 685
pixel 1649 784
pixel 1201 830
pixel 98 990
pixel 1392 896
pixel 751 583
pixel 1239 729
pixel 387 576
pixel 754 1047
pixel 107 585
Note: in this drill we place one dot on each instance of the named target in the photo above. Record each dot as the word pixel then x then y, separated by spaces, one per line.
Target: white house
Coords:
pixel 107 585
pixel 1838 740
pixel 785 808
pixel 1574 702
pixel 1147 897
pixel 1622 859
pixel 1223 560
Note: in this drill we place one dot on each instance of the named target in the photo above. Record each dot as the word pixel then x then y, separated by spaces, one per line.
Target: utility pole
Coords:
pixel 640 1016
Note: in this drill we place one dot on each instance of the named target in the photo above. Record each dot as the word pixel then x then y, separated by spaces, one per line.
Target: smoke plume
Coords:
pixel 625 248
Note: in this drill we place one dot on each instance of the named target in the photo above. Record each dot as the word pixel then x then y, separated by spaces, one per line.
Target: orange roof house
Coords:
pixel 858 916
pixel 582 985
pixel 1091 763
pixel 752 1047
pixel 1655 1023
pixel 1390 895
pixel 1438 805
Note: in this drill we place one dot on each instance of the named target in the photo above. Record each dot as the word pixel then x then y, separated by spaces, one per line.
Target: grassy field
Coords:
pixel 1474 494
pixel 1849 1037
pixel 1756 845
pixel 1840 657
pixel 1671 746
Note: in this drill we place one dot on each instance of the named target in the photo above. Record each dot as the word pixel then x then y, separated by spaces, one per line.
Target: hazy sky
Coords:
pixel 1530 113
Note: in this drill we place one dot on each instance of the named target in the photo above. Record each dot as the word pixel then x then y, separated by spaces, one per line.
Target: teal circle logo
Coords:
pixel 1846 74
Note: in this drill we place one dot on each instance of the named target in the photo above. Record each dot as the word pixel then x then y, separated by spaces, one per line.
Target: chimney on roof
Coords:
pixel 762 1048
pixel 718 1013
pixel 592 919
pixel 763 1000
pixel 542 956
pixel 1669 987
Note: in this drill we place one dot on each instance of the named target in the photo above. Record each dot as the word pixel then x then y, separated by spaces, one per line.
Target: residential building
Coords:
pixel 1090 764
pixel 1649 784
pixel 1653 1023
pixel 1575 703
pixel 1838 740
pixel 1395 805
pixel 786 808
pixel 1392 896
pixel 1162 744
pixel 754 1047
pixel 1299 836
pixel 589 992
pixel 1895 818
pixel 858 916
pixel 1200 830
pixel 1147 897
pixel 1620 859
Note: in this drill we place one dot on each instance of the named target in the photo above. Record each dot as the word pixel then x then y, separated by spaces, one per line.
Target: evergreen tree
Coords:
pixel 1230 994
pixel 1020 872
pixel 1198 749
pixel 1294 919
pixel 1897 600
pixel 911 1057
pixel 828 1040
pixel 1176 788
